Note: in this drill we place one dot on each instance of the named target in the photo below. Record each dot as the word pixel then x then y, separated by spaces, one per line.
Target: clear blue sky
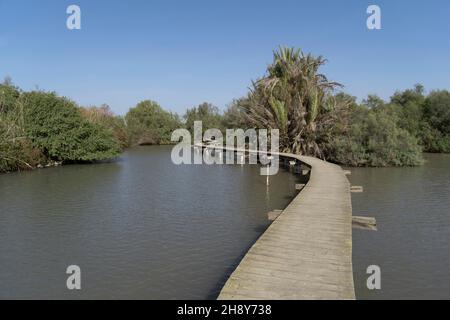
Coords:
pixel 181 53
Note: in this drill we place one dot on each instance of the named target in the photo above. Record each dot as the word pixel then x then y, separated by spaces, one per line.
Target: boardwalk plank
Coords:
pixel 306 253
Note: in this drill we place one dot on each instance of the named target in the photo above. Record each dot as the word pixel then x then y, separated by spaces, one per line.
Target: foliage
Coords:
pixel 296 99
pixel 148 123
pixel 374 139
pixel 9 95
pixel 436 132
pixel 104 117
pixel 234 116
pixel 293 96
pixel 16 150
pixel 55 126
pixel 205 112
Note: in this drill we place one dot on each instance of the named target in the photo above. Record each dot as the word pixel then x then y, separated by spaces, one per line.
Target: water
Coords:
pixel 143 228
pixel 412 244
pixel 139 228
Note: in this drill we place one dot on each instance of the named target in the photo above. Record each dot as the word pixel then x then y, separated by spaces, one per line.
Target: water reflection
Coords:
pixel 139 228
pixel 412 246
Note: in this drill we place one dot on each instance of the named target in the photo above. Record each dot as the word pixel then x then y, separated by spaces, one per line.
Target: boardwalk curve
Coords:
pixel 306 253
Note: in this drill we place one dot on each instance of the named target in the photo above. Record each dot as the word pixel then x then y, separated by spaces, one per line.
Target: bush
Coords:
pixel 55 126
pixel 16 150
pixel 208 114
pixel 148 123
pixel 104 117
pixel 375 139
pixel 16 155
pixel 436 131
pixel 8 97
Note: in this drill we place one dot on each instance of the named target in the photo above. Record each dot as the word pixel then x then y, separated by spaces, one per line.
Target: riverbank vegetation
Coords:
pixel 42 129
pixel 314 116
pixel 148 123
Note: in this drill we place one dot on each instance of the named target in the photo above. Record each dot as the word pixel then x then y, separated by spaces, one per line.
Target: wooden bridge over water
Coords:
pixel 306 253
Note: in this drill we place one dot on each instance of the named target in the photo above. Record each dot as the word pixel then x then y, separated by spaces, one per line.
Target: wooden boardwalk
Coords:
pixel 306 253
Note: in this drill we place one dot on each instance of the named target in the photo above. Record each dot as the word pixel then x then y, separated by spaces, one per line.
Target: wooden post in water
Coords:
pixel 241 158
pixel 272 215
pixel 356 189
pixel 268 169
pixel 365 223
pixel 299 186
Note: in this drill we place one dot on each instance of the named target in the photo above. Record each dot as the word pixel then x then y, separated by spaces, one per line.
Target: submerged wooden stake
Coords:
pixel 356 189
pixel 365 223
pixel 272 215
pixel 299 186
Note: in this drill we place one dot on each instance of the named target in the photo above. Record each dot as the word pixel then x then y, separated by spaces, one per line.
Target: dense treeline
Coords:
pixel 314 118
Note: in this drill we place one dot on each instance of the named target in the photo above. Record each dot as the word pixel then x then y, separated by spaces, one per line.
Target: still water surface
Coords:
pixel 139 228
pixel 412 244
pixel 144 228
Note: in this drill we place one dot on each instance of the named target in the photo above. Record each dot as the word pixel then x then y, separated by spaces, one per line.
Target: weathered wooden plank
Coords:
pixel 272 215
pixel 306 253
pixel 299 186
pixel 356 189
pixel 365 223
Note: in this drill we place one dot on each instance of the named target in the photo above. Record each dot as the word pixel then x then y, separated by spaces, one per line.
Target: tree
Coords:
pixel 373 101
pixel 205 112
pixel 148 123
pixel 234 116
pixel 296 99
pixel 408 106
pixel 437 121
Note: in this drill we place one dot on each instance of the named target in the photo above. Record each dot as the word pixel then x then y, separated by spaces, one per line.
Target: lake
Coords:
pixel 412 244
pixel 139 228
pixel 143 228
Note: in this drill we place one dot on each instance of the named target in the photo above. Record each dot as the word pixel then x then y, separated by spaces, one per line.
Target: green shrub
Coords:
pixel 374 139
pixel 16 155
pixel 148 123
pixel 55 126
pixel 8 97
pixel 436 131
pixel 104 117
pixel 208 114
pixel 408 106
pixel 16 150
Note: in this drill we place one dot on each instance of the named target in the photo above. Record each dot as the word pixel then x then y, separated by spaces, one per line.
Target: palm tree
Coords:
pixel 294 98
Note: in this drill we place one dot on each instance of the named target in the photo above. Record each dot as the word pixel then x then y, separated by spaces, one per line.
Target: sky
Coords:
pixel 182 53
